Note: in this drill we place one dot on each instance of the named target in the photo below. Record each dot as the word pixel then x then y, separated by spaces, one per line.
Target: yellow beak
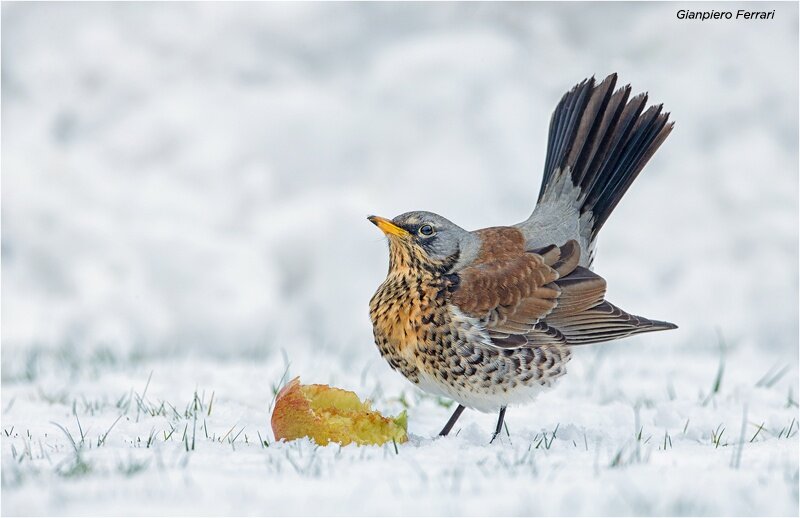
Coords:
pixel 388 227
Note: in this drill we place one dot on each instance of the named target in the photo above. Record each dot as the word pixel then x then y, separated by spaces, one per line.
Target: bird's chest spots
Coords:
pixel 407 312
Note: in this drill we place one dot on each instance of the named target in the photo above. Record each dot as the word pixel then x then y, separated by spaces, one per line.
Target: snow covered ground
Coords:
pixel 184 188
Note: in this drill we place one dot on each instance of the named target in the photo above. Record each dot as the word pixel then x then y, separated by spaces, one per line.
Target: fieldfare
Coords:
pixel 488 317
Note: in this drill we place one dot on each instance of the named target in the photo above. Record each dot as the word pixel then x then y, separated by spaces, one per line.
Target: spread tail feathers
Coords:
pixel 604 140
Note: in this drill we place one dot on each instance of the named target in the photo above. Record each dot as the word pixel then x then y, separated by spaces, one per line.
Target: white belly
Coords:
pixel 483 400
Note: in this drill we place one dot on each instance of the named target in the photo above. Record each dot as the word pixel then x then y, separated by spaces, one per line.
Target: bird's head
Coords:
pixel 423 241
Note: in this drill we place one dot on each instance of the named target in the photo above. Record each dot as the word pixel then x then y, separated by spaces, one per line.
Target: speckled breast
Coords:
pixel 434 345
pixel 407 312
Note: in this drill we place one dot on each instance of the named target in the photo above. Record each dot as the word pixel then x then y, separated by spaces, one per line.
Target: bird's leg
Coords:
pixel 499 424
pixel 452 421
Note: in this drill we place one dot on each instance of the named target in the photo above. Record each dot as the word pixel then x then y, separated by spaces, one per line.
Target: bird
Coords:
pixel 488 318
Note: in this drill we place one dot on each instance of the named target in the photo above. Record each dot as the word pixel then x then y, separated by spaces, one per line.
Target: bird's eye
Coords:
pixel 426 230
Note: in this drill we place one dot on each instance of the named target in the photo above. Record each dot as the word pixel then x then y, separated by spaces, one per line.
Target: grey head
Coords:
pixel 433 238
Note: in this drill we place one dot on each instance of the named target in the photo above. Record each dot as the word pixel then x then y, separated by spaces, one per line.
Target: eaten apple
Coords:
pixel 329 414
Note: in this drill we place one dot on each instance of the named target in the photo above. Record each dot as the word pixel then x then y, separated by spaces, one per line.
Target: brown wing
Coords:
pixel 512 290
pixel 500 290
pixel 541 297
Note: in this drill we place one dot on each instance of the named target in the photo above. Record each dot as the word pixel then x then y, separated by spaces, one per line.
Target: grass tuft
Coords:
pixel 717 385
pixel 716 436
pixel 132 467
pixel 277 388
pixel 78 467
pixel 772 376
pixel 544 441
pixel 667 440
pixel 101 441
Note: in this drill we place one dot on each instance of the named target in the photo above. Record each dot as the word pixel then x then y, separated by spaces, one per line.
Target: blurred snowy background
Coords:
pixel 184 193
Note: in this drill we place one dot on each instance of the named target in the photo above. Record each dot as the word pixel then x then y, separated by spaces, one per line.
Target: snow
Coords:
pixel 184 197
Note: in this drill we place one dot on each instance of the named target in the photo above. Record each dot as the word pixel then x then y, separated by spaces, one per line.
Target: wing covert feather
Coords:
pixel 530 298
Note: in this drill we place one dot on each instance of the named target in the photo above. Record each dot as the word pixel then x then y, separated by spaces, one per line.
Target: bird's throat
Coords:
pixel 403 258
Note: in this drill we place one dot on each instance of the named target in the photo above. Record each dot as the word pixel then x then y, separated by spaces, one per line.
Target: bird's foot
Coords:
pixel 500 422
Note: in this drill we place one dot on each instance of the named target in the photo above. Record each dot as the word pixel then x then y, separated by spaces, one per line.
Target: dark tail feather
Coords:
pixel 605 140
pixel 602 323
